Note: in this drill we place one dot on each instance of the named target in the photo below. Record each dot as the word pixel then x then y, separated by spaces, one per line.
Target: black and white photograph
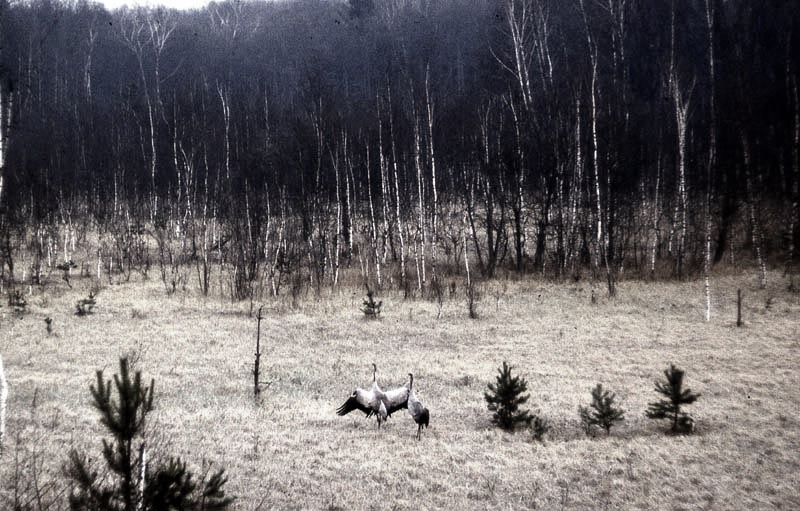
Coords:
pixel 349 255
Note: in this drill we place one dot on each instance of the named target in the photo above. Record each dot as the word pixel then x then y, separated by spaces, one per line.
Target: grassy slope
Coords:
pixel 292 451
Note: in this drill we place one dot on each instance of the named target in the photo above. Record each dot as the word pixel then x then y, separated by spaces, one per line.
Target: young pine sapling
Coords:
pixel 602 411
pixel 371 308
pixel 676 396
pixel 127 482
pixel 505 397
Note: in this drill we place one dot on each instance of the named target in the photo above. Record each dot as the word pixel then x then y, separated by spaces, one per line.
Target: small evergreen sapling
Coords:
pixel 371 309
pixel 127 483
pixel 670 408
pixel 539 428
pixel 505 397
pixel 124 419
pixel 602 411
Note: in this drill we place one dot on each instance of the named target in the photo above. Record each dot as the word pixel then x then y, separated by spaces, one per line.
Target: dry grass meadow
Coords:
pixel 291 451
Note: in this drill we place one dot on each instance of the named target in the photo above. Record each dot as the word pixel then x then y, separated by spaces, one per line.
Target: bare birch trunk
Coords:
pixel 654 219
pixel 373 225
pixel 712 148
pixel 755 226
pixel 420 239
pixel 153 151
pixel 349 192
pixel 6 104
pixel 681 102
pixel 575 189
pixel 518 15
pixel 599 233
pixel 599 249
pixel 386 235
pixel 280 248
pixel 203 269
pixel 226 118
pixel 338 234
pixel 432 163
pixel 398 216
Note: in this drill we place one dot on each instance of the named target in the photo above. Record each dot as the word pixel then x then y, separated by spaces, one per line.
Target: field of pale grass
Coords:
pixel 290 450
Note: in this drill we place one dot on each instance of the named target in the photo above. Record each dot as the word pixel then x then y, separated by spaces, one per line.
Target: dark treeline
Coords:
pixel 413 140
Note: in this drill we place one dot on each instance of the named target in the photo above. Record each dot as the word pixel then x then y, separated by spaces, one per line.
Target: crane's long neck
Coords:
pixel 411 381
pixel 375 388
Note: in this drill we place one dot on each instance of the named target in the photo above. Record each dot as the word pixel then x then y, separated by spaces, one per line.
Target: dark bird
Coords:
pixel 416 409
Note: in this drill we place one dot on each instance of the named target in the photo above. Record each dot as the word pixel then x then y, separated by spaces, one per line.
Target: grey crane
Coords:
pixel 376 401
pixel 416 409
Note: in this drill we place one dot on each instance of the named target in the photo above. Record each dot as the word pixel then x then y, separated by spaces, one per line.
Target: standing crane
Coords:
pixel 416 409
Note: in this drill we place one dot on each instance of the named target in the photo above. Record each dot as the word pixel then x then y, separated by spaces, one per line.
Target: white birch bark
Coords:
pixel 6 104
pixel 655 217
pixel 137 39
pixel 393 188
pixel 385 192
pixel 420 238
pixel 592 46
pixel 599 246
pixel 373 225
pixel 755 226
pixel 712 148
pixel 338 232
pixel 398 216
pixel 224 100
pixel 681 101
pixel 432 164
pixel 575 189
pixel 518 16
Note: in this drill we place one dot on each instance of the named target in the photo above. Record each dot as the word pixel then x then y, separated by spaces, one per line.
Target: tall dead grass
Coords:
pixel 289 450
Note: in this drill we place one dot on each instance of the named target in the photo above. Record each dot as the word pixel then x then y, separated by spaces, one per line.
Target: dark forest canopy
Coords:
pixel 550 136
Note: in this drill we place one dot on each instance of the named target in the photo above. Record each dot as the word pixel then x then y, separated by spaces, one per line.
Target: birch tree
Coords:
pixel 576 190
pixel 681 100
pixel 711 161
pixel 6 109
pixel 420 238
pixel 601 237
pixel 373 223
pixel 144 31
pixel 429 110
pixel 396 181
pixel 756 233
pixel 6 105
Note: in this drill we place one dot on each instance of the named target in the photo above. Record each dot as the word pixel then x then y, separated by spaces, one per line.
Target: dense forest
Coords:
pixel 413 142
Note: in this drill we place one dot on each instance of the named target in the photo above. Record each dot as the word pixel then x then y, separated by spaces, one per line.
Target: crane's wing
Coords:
pixel 395 399
pixel 358 400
